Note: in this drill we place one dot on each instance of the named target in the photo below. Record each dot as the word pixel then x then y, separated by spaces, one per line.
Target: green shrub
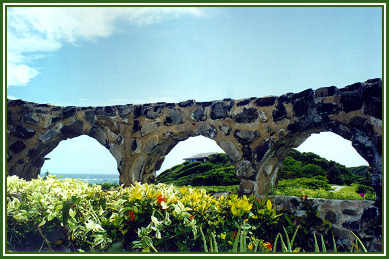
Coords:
pixel 364 189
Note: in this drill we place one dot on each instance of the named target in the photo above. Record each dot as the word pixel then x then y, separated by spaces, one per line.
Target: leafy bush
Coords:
pixel 161 217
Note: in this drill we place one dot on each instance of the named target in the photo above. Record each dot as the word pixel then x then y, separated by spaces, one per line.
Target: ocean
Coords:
pixel 97 178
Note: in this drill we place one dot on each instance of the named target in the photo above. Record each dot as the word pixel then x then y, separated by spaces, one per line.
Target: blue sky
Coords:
pixel 106 56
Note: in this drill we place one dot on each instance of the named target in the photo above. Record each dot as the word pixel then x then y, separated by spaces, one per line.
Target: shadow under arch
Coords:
pixel 80 155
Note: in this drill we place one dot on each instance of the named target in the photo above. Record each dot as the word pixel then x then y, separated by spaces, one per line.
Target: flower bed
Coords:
pixel 69 215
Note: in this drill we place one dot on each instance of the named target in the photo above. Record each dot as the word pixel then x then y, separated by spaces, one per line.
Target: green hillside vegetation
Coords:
pixel 300 171
pixel 218 170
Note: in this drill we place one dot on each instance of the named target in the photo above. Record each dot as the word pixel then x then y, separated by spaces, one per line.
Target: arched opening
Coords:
pixel 83 158
pixel 333 147
pixel 198 161
pixel 325 165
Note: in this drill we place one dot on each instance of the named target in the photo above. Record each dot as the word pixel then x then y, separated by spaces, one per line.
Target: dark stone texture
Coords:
pixel 373 107
pixel 199 115
pixel 153 112
pixel 17 102
pixel 362 124
pixel 90 116
pixel 303 94
pixel 29 118
pixel 134 145
pixel 186 103
pixel 109 111
pixel 266 101
pixel 331 217
pixel 170 105
pixel 351 101
pixel 261 150
pixel 326 91
pixel 123 110
pixel 100 111
pixel 225 129
pixel 68 112
pixel 247 115
pixel 352 87
pixel 284 98
pixel 208 131
pixel 243 102
pixel 137 111
pixel 279 112
pixel 204 104
pixel 119 140
pixel 17 147
pixel 369 214
pixel 48 135
pixel 245 136
pixel 136 127
pixel 327 108
pixel 378 144
pixel 352 225
pixel 219 111
pixel 300 107
pixel 247 154
pixel 73 130
pixel 173 117
pixel 350 212
pixel 24 133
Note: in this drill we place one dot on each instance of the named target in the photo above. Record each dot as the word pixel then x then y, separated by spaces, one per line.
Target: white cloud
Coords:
pixel 46 29
pixel 20 74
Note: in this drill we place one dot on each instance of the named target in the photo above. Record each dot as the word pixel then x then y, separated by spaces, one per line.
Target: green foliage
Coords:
pixel 315 183
pixel 288 247
pixel 146 218
pixel 217 171
pixel 297 165
pixel 345 193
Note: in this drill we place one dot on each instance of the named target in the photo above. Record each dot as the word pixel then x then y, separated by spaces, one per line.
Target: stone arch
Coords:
pixel 34 130
pixel 70 155
pixel 161 142
pixel 255 132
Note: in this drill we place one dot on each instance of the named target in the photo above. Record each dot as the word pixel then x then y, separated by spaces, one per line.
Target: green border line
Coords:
pixel 186 3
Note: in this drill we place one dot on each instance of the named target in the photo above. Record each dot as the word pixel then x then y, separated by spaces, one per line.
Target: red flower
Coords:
pixel 131 214
pixel 191 217
pixel 362 194
pixel 268 245
pixel 160 199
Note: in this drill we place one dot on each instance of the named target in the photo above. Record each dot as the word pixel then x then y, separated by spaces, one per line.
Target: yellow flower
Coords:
pixel 240 207
pixel 250 246
pixel 269 205
pixel 223 236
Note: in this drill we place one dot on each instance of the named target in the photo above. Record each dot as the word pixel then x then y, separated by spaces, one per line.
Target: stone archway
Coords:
pixel 255 132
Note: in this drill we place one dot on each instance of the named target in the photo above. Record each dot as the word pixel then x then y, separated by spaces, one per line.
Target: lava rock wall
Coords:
pixel 256 133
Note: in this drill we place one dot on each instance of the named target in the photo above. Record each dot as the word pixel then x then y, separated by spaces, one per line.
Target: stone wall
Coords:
pixel 256 133
pixel 361 217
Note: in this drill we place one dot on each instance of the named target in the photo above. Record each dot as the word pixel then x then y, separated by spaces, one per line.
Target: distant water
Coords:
pixel 89 178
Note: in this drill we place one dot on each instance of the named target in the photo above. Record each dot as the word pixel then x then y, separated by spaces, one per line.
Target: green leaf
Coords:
pixel 323 245
pixel 42 223
pixel 72 213
pixel 334 243
pixel 317 250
